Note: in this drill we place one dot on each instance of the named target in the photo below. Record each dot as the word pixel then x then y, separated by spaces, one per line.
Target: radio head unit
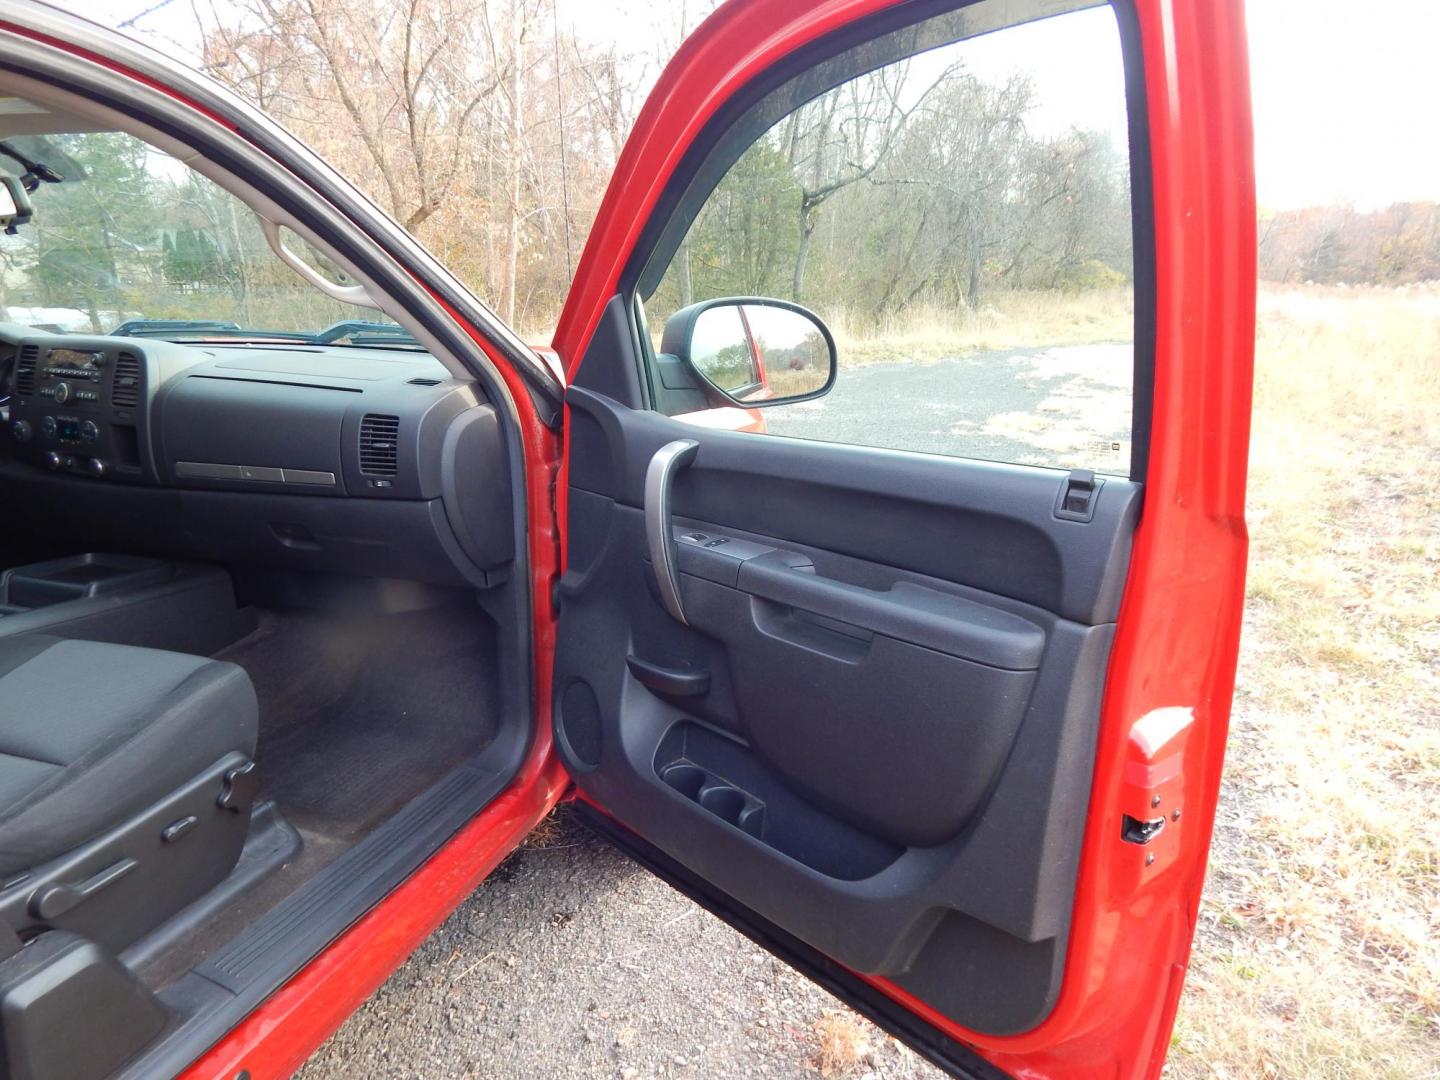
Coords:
pixel 81 405
pixel 64 362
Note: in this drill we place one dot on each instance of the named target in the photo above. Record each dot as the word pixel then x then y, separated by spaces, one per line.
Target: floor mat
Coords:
pixel 358 715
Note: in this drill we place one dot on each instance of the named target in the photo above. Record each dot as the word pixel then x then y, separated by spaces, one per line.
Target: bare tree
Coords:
pixel 842 138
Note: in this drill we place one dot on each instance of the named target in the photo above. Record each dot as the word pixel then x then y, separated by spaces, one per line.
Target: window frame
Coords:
pixel 888 37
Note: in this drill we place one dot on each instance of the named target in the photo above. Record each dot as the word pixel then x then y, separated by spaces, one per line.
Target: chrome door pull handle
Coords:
pixel 659 479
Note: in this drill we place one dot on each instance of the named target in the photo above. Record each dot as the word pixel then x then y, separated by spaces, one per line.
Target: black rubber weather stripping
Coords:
pixel 220 992
pixel 928 1041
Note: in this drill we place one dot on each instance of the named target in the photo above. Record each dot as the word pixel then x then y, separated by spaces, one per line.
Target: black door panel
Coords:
pixel 851 717
pixel 877 729
pixel 980 523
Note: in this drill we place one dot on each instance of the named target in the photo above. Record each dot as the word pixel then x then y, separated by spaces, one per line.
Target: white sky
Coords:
pixel 1344 90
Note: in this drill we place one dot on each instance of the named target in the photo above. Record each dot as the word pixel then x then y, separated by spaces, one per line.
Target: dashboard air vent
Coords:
pixel 125 390
pixel 379 441
pixel 25 369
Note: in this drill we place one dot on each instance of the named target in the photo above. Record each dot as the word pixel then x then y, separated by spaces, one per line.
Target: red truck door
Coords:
pixel 945 733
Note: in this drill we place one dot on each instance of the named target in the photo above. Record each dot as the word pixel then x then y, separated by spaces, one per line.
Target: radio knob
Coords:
pixel 53 460
pixel 95 467
pixel 88 431
pixel 61 392
pixel 21 431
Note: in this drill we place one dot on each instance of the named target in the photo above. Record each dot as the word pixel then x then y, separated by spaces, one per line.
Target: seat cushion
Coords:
pixel 90 733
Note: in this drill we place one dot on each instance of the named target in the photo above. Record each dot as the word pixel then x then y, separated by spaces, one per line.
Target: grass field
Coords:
pixel 1006 320
pixel 1318 952
pixel 1318 949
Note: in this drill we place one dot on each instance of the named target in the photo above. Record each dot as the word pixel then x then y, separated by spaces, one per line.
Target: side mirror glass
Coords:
pixel 15 208
pixel 756 352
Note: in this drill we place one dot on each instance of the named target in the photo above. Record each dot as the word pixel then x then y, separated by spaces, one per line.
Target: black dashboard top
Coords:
pixel 277 430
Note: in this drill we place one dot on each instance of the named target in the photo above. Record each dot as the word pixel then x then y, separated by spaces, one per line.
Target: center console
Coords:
pixel 125 600
pixel 82 406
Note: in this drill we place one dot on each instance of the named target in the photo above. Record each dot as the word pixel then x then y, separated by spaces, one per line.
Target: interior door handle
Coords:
pixel 659 479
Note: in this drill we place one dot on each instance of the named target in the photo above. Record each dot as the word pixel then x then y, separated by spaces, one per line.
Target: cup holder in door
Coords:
pixel 686 779
pixel 725 801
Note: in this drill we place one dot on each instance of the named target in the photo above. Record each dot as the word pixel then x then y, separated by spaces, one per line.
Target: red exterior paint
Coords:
pixel 1179 625
pixel 106 62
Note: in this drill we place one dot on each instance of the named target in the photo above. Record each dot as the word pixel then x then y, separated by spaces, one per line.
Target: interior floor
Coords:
pixel 361 713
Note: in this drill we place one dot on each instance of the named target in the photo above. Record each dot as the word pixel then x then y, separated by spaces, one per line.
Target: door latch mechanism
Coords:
pixel 1135 831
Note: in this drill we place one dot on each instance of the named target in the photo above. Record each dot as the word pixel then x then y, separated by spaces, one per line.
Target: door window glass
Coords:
pixel 961 220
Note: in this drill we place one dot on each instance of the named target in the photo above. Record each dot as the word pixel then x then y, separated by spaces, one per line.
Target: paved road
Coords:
pixel 1064 406
pixel 571 961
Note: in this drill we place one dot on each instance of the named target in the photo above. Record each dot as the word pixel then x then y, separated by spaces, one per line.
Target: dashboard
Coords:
pixel 360 460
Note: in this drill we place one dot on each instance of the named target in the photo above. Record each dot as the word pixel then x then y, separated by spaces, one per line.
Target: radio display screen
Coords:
pixel 75 360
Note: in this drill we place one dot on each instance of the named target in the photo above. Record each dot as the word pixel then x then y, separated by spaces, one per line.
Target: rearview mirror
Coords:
pixel 15 208
pixel 754 351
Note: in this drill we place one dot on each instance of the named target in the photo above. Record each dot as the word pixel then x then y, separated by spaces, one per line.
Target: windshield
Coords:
pixel 124 239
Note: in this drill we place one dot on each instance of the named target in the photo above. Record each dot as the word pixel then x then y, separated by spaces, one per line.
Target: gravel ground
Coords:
pixel 573 961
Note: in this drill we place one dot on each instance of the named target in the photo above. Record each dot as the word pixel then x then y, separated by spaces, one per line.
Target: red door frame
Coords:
pixel 1178 634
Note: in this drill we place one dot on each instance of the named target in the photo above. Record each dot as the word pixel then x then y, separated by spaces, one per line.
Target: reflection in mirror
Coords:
pixel 720 350
pixel 760 353
pixel 15 207
pixel 793 355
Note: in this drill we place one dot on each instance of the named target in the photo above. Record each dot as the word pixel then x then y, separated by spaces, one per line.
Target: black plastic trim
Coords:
pixel 930 1042
pixel 399 271
pixel 238 976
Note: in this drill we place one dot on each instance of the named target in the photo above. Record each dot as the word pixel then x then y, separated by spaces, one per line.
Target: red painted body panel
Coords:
pixel 1180 621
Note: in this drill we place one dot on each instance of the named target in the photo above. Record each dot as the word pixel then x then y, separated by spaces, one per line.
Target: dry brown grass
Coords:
pixel 842 1043
pixel 1006 320
pixel 1319 943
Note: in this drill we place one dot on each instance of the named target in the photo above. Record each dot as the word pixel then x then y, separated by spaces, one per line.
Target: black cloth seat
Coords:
pixel 92 733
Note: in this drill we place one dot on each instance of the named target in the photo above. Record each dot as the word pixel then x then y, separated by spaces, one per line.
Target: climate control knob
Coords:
pixel 62 392
pixel 95 467
pixel 53 460
pixel 21 431
pixel 88 431
pixel 49 427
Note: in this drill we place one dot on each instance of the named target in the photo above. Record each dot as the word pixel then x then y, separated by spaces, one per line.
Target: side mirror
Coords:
pixel 753 351
pixel 15 208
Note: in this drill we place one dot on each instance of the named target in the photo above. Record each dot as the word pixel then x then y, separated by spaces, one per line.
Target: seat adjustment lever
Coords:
pixel 49 902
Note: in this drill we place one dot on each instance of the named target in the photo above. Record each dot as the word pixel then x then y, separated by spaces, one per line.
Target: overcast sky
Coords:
pixel 1344 91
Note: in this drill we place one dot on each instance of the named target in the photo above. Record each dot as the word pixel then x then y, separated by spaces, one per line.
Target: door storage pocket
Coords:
pixel 726 779
pixel 901 739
